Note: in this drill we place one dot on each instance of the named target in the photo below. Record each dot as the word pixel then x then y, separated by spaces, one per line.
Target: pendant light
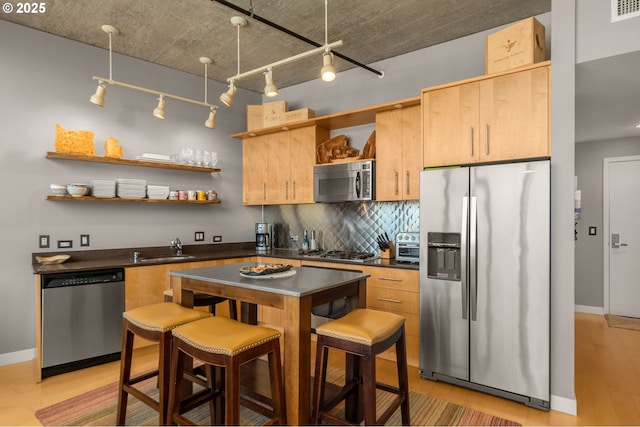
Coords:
pixel 98 97
pixel 227 97
pixel 159 110
pixel 270 89
pixel 211 121
pixel 328 71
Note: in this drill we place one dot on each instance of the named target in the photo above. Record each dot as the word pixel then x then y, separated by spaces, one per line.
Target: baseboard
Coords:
pixel 589 309
pixel 562 404
pixel 17 356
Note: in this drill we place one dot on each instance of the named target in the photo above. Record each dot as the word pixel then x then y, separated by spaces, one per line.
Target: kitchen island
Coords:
pixel 295 295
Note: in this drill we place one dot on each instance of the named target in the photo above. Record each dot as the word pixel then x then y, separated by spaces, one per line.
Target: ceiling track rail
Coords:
pixel 294 34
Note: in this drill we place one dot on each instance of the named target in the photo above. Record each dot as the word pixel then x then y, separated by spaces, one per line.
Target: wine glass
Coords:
pixel 190 156
pixel 184 151
pixel 198 157
pixel 207 158
pixel 214 158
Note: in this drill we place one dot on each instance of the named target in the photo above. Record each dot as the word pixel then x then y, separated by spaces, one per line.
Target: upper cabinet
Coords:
pixel 499 117
pixel 277 168
pixel 398 154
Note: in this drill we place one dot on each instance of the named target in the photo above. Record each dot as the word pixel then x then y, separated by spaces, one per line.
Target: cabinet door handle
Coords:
pixel 264 191
pixel 471 141
pixel 390 279
pixel 397 301
pixel 486 139
pixel 396 182
pixel 293 189
pixel 286 190
pixel 407 183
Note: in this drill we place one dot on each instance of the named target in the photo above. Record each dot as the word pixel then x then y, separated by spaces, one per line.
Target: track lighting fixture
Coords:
pixel 211 121
pixel 98 97
pixel 159 111
pixel 227 97
pixel 270 89
pixel 328 72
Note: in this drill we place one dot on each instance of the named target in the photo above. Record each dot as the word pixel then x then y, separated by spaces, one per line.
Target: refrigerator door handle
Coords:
pixel 473 262
pixel 463 257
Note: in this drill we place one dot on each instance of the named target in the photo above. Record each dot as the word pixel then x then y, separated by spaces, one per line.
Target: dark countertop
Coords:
pixel 118 258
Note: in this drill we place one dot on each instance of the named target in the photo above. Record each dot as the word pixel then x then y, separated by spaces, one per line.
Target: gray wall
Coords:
pixel 598 38
pixel 46 80
pixel 589 265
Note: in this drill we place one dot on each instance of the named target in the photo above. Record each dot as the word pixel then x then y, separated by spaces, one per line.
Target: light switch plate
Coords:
pixel 199 236
pixel 217 239
pixel 592 231
pixel 43 241
pixel 84 240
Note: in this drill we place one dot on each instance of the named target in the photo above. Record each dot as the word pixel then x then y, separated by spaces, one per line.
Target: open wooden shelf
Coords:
pixel 128 162
pixel 344 119
pixel 122 199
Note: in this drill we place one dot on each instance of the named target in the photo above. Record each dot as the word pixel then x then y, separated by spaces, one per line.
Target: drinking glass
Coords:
pixel 207 158
pixel 190 156
pixel 214 158
pixel 198 157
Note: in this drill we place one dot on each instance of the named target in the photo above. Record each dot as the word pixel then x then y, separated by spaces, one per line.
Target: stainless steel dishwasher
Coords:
pixel 81 319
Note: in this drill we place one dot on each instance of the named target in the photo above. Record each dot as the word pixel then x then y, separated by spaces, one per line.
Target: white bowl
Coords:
pixel 78 190
pixel 58 189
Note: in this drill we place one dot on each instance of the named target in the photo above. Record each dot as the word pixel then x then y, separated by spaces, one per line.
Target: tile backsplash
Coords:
pixel 349 226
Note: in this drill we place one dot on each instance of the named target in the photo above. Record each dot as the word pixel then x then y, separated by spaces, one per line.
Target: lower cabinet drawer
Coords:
pixel 392 300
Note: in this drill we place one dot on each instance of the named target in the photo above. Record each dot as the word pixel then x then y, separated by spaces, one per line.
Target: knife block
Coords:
pixel 389 253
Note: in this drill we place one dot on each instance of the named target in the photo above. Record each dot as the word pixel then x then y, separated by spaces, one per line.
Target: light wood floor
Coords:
pixel 607 385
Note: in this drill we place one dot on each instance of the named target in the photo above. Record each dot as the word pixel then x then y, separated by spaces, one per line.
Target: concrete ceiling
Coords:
pixel 177 33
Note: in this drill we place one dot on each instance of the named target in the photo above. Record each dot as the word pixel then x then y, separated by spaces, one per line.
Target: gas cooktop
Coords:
pixel 357 256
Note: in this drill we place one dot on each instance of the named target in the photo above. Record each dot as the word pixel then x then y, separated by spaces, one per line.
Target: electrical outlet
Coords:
pixel 199 236
pixel 217 239
pixel 592 231
pixel 84 240
pixel 294 238
pixel 43 241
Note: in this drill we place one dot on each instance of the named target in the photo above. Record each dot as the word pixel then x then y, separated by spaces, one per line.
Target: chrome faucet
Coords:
pixel 176 247
pixel 136 256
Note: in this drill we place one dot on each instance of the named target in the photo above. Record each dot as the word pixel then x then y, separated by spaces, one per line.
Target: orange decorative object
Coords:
pixel 74 141
pixel 112 149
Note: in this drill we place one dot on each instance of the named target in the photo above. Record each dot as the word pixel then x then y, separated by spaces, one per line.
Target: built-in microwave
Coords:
pixel 344 182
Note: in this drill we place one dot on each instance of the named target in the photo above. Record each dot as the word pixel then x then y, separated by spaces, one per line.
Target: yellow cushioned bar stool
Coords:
pixel 203 300
pixel 227 345
pixel 363 333
pixel 154 323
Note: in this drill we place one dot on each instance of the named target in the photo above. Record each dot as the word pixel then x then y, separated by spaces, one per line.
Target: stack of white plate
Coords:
pixel 105 188
pixel 157 191
pixel 132 188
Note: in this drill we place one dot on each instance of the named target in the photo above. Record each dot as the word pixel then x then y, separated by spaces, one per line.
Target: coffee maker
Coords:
pixel 263 236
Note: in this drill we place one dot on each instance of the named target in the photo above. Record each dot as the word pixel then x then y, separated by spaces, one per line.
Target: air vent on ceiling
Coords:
pixel 624 9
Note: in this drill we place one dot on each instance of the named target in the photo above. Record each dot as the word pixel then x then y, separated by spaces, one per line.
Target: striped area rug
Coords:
pixel 98 408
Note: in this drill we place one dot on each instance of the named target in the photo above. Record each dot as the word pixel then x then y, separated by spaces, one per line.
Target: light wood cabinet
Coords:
pixel 278 167
pixel 487 119
pixel 398 154
pixel 272 316
pixel 397 291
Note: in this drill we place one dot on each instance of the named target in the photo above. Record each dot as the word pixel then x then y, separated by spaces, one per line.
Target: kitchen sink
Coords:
pixel 166 258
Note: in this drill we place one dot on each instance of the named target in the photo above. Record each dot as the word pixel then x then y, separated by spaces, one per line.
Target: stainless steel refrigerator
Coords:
pixel 485 279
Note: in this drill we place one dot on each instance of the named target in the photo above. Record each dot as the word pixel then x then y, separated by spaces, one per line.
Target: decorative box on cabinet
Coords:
pixel 491 118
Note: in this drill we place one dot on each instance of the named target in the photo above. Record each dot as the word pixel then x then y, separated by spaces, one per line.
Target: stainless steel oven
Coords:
pixel 408 246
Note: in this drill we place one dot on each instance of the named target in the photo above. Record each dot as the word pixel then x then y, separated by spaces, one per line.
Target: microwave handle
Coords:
pixel 358 184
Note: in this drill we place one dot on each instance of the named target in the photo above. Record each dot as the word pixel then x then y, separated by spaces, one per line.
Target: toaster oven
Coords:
pixel 408 246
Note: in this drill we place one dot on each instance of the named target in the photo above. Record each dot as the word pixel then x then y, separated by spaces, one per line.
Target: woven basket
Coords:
pixel 74 141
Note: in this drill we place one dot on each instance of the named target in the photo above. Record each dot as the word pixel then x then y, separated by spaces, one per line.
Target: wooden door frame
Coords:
pixel 606 162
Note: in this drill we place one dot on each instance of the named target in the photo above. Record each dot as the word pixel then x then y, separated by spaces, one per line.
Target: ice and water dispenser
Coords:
pixel 443 256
